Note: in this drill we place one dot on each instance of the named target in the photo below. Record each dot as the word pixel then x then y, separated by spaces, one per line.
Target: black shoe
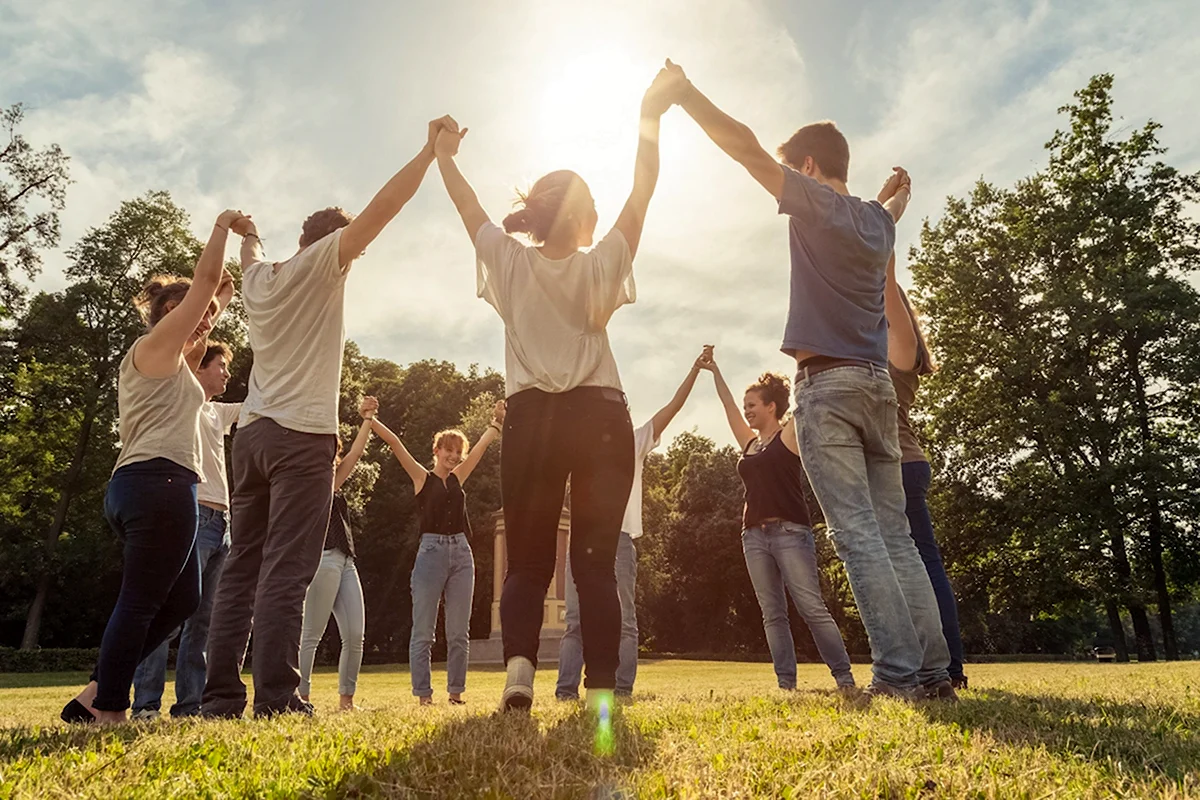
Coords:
pixel 959 683
pixel 454 702
pixel 942 691
pixel 77 712
pixel 295 706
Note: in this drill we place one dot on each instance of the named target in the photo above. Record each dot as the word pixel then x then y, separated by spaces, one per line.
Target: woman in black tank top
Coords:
pixel 444 570
pixel 777 539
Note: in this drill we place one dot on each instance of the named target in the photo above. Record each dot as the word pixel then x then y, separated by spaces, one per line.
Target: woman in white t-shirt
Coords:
pixel 151 498
pixel 567 415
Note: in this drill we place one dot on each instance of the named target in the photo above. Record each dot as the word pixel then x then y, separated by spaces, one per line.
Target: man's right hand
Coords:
pixel 898 180
pixel 368 407
pixel 244 227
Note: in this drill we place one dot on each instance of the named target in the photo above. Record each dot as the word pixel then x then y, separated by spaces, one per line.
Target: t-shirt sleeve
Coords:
pixel 228 414
pixel 644 441
pixel 322 258
pixel 805 199
pixel 495 255
pixel 612 285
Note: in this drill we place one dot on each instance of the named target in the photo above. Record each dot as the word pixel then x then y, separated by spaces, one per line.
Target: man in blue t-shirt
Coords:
pixel 845 403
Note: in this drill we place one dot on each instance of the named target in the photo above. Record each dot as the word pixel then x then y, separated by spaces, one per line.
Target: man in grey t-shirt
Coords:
pixel 845 402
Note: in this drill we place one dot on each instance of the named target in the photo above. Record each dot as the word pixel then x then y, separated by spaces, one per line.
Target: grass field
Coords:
pixel 697 729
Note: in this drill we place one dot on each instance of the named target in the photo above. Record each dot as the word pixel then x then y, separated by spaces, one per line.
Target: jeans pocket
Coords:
pixel 830 419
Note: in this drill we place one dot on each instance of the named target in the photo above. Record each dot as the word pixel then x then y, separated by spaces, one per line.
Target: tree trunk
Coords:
pixel 1126 590
pixel 1149 474
pixel 1118 630
pixel 33 621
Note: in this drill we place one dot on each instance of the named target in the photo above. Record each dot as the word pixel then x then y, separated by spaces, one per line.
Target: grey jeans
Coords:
pixel 335 589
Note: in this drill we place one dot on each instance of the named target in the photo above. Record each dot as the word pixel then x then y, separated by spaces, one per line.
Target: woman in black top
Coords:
pixel 336 588
pixel 777 539
pixel 445 566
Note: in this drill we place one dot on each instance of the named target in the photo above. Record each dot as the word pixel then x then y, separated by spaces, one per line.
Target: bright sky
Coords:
pixel 284 106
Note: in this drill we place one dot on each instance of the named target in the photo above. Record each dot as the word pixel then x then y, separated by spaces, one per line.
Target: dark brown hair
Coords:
pixel 772 387
pixel 824 143
pixel 322 223
pixel 216 349
pixel 155 295
pixel 542 205
pixel 925 363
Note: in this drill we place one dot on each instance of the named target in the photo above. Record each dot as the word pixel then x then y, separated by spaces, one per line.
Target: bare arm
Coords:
pixel 251 250
pixel 742 432
pixel 667 413
pixel 461 194
pixel 896 193
pixel 789 435
pixel 464 470
pixel 416 472
pixel 386 204
pixel 350 460
pixel 160 354
pixel 645 166
pixel 736 139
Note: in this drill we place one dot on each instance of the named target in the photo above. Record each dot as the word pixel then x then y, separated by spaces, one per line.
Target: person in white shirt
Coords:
pixel 212 545
pixel 567 416
pixel 287 438
pixel 570 653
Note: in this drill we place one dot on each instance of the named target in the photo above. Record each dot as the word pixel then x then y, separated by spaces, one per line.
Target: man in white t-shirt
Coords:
pixel 570 653
pixel 287 437
pixel 212 546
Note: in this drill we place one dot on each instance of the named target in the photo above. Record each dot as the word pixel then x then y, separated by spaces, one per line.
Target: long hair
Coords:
pixel 925 362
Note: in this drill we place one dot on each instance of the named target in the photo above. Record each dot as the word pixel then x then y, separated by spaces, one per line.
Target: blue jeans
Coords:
pixel 916 484
pixel 783 555
pixel 846 425
pixel 212 545
pixel 335 589
pixel 445 566
pixel 151 506
pixel 570 652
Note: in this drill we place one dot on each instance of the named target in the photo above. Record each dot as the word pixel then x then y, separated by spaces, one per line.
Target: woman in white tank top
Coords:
pixel 151 497
pixel 567 416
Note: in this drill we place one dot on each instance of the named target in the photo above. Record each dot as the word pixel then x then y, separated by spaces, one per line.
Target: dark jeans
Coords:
pixel 151 505
pixel 282 493
pixel 584 434
pixel 212 545
pixel 916 484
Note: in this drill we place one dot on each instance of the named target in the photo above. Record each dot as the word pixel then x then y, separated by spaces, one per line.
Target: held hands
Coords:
pixel 897 182
pixel 670 86
pixel 368 407
pixel 444 136
pixel 705 360
pixel 498 414
pixel 228 218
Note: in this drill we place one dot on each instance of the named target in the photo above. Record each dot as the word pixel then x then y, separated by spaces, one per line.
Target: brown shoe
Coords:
pixel 959 683
pixel 943 691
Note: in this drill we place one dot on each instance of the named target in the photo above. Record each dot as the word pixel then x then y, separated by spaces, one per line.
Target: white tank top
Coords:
pixel 159 417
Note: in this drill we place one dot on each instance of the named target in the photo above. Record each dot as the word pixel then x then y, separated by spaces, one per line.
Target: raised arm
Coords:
pixel 896 193
pixel 464 470
pixel 386 204
pixel 666 88
pixel 736 139
pixel 161 353
pixel 251 250
pixel 461 193
pixel 902 336
pixel 742 432
pixel 366 409
pixel 416 473
pixel 667 413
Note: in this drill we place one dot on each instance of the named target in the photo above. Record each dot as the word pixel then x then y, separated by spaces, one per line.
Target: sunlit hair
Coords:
pixel 824 143
pixel 216 349
pixel 157 294
pixel 771 387
pixel 926 365
pixel 322 223
pixel 337 457
pixel 448 437
pixel 543 205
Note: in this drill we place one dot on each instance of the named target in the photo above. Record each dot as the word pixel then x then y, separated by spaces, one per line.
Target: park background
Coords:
pixel 1061 294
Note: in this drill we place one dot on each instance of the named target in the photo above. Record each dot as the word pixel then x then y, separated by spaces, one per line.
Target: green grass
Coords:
pixel 698 729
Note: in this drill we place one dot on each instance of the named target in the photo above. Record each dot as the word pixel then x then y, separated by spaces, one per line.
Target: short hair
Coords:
pixel 541 207
pixel 824 143
pixel 216 349
pixel 447 436
pixel 322 223
pixel 160 290
pixel 773 388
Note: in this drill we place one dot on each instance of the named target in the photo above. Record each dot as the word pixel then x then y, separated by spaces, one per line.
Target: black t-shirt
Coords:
pixel 442 506
pixel 339 537
pixel 774 485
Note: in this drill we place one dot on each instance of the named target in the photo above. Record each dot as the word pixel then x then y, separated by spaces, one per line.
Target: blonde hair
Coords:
pixel 443 438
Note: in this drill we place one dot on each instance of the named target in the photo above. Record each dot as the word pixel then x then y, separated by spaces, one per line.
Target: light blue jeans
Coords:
pixel 570 652
pixel 335 589
pixel 445 567
pixel 150 679
pixel 782 556
pixel 846 425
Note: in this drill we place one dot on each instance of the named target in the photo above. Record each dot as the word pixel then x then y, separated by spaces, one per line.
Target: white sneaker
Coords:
pixel 145 715
pixel 518 690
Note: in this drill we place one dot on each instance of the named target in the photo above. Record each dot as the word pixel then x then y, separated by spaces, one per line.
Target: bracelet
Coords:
pixel 255 235
pixel 222 227
pixel 493 424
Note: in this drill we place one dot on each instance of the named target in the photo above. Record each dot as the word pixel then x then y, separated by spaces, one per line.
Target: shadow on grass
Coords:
pixel 1142 739
pixel 507 755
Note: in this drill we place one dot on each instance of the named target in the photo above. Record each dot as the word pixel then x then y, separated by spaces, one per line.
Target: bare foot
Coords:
pixel 346 702
pixel 427 701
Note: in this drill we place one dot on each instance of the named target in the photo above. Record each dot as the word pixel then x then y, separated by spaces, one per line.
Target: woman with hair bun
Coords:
pixel 777 538
pixel 568 417
pixel 151 502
